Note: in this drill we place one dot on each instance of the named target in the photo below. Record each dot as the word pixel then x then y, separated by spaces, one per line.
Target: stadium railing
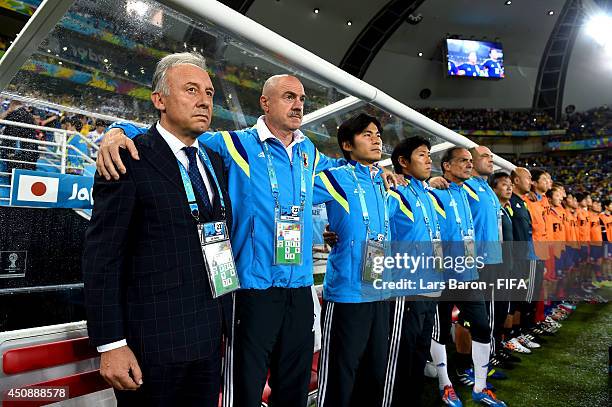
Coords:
pixel 53 155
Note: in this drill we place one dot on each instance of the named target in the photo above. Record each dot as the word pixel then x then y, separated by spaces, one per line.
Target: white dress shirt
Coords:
pixel 265 133
pixel 176 146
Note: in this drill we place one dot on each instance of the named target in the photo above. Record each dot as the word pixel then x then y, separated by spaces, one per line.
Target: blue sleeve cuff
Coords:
pixel 129 129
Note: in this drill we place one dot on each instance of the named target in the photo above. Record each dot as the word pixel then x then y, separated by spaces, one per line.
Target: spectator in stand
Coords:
pixel 96 135
pixel 85 127
pixel 77 147
pixel 18 154
pixel 491 119
pixel 581 172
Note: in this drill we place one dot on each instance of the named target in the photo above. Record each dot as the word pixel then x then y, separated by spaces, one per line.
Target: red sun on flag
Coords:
pixel 34 188
pixel 38 189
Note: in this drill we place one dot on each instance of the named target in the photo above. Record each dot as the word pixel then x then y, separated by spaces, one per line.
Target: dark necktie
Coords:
pixel 196 180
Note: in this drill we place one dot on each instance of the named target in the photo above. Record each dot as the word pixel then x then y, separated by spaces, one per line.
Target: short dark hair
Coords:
pixel 100 123
pixel 76 122
pixel 449 155
pixel 353 126
pixel 580 196
pixel 405 148
pixel 606 202
pixel 494 179
pixel 550 192
pixel 536 174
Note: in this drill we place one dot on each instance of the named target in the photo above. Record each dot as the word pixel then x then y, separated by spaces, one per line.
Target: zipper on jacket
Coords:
pixel 376 190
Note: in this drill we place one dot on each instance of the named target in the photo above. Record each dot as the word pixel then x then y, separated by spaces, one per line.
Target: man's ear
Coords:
pixel 263 102
pixel 403 161
pixel 347 146
pixel 158 101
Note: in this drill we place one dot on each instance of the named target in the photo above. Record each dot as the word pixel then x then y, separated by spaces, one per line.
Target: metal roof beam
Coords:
pixel 44 19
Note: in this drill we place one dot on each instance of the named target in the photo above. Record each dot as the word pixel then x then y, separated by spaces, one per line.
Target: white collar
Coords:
pixel 175 144
pixel 264 132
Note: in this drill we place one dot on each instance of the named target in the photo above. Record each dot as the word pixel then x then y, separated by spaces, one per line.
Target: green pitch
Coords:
pixel 570 370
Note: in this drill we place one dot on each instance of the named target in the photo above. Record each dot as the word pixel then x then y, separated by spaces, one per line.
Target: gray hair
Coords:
pixel 159 83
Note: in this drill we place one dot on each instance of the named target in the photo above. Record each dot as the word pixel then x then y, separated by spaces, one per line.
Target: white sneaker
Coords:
pixel 552 322
pixel 515 346
pixel 526 342
pixel 530 337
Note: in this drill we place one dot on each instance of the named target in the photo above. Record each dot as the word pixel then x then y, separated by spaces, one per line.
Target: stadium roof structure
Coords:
pixel 106 50
pixel 550 55
pixel 404 26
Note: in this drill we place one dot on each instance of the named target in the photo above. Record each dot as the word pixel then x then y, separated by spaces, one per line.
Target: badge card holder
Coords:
pixel 214 237
pixel 288 224
pixel 218 257
pixel 288 236
pixel 372 250
pixel 469 245
pixel 438 253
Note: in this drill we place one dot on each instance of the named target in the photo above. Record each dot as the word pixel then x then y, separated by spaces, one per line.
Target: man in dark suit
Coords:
pixel 150 310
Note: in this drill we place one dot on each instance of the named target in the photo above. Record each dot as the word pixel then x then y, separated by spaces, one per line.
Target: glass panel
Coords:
pixel 102 60
pixel 394 129
pixel 100 57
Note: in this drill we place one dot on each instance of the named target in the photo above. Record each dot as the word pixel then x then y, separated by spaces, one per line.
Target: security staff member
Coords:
pixel 502 186
pixel 413 213
pixel 458 228
pixel 355 317
pixel 537 204
pixel 525 260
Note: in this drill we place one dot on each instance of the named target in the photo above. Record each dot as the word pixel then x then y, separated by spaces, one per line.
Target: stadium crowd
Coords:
pixel 491 119
pixel 596 122
pixel 581 172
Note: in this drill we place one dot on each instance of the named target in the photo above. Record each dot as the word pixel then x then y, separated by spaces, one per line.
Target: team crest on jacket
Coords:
pixel 305 158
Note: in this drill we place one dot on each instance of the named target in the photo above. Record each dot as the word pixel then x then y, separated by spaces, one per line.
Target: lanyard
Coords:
pixel 489 192
pixel 457 217
pixel 193 205
pixel 425 216
pixel 364 208
pixel 274 180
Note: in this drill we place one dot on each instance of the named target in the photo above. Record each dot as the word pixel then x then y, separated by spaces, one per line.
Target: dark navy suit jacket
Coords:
pixel 143 269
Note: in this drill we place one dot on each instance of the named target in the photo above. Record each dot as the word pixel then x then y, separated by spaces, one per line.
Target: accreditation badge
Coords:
pixel 469 246
pixel 218 258
pixel 437 254
pixel 288 236
pixel 373 249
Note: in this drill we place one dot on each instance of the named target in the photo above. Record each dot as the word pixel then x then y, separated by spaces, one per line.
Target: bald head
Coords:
pixel 272 83
pixel 521 180
pixel 282 100
pixel 483 161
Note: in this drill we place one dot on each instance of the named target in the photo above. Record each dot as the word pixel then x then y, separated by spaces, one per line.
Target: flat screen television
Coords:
pixel 474 59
